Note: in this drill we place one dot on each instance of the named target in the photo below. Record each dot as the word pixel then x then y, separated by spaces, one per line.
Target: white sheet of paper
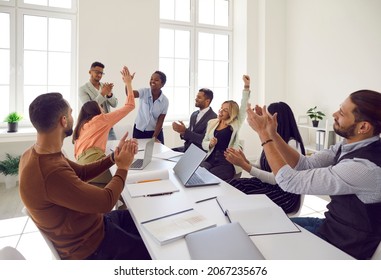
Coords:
pixel 168 154
pixel 153 188
pixel 177 225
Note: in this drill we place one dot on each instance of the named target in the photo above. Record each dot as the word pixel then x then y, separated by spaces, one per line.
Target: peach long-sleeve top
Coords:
pixel 94 133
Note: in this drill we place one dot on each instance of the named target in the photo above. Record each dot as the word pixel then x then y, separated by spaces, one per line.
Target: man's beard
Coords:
pixel 345 133
pixel 69 132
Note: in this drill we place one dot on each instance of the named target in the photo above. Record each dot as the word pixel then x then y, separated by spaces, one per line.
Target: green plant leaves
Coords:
pixel 13 117
pixel 10 165
pixel 314 114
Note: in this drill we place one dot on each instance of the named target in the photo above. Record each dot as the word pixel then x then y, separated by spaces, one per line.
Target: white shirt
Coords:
pixel 265 176
pixel 201 114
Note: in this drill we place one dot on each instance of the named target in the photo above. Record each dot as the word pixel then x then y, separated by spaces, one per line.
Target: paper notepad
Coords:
pixel 150 183
pixel 175 226
pixel 168 155
pixel 257 214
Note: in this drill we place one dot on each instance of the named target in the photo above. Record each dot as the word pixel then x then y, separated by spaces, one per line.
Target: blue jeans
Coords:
pixel 309 223
pixel 122 240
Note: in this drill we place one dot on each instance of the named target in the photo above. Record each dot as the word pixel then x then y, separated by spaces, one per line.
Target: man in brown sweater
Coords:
pixel 72 213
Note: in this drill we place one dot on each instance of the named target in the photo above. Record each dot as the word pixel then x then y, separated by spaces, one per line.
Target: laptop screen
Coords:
pixel 189 163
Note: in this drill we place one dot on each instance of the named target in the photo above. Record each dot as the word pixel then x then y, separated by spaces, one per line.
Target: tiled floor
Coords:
pixel 22 234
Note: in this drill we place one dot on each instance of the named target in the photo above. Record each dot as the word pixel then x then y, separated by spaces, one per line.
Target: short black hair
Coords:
pixel 46 109
pixel 208 93
pixel 368 103
pixel 163 77
pixel 97 64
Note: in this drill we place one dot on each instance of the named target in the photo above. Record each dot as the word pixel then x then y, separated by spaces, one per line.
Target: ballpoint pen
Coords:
pixel 158 194
pixel 206 199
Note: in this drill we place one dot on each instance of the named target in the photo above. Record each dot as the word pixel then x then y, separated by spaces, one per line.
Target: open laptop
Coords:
pixel 188 171
pixel 226 242
pixel 140 163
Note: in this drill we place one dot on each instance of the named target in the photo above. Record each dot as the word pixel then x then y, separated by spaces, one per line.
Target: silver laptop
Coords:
pixel 140 163
pixel 189 172
pixel 226 242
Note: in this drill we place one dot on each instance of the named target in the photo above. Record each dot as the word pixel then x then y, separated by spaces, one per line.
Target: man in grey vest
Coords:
pixel 349 171
pixel 100 92
pixel 198 121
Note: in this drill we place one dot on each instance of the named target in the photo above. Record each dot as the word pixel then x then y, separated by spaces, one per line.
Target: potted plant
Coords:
pixel 13 119
pixel 315 116
pixel 10 168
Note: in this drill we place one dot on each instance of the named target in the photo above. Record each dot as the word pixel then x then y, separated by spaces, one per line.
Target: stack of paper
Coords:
pixel 169 155
pixel 150 183
pixel 257 214
pixel 177 225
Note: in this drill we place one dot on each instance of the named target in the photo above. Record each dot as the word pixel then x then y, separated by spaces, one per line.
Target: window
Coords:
pixel 41 57
pixel 195 39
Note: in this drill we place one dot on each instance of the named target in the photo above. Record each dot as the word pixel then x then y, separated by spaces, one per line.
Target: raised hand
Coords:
pixel 258 110
pixel 246 80
pixel 264 123
pixel 127 77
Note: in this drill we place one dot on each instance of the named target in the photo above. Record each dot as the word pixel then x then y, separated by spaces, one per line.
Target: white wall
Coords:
pixel 118 33
pixel 332 49
pixel 313 52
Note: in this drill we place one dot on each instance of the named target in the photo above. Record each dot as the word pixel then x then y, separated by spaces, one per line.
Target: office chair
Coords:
pixel 10 253
pixel 55 255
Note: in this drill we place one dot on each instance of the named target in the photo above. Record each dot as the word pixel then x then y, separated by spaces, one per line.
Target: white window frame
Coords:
pixel 17 12
pixel 194 27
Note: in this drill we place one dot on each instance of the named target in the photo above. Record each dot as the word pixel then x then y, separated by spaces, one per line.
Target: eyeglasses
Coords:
pixel 98 72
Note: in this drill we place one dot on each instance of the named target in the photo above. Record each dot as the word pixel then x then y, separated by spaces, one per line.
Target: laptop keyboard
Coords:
pixel 137 163
pixel 195 179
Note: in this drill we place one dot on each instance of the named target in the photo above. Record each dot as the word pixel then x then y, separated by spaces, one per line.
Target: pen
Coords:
pixel 146 181
pixel 155 219
pixel 158 194
pixel 206 199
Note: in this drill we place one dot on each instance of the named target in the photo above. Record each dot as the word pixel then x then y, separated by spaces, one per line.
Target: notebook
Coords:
pixel 176 225
pixel 256 213
pixel 140 163
pixel 226 242
pixel 189 172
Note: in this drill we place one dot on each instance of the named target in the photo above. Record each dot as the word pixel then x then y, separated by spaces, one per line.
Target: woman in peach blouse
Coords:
pixel 93 125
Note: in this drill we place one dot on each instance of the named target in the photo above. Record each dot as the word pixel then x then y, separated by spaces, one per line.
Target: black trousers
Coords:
pixel 289 202
pixel 219 166
pixel 122 240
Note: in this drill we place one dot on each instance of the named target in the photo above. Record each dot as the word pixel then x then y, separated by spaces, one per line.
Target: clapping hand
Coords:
pixel 261 121
pixel 107 89
pixel 213 143
pixel 179 127
pixel 236 157
pixel 125 152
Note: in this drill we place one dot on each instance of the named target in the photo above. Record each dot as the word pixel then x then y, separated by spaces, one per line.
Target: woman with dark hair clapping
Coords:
pixel 263 180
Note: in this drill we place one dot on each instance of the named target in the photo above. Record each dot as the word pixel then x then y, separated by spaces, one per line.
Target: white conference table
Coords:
pixel 286 246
